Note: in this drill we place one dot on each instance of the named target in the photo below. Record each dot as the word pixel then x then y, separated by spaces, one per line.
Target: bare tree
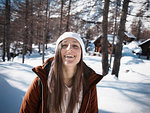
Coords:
pixel 104 38
pixel 3 56
pixel 114 30
pixel 139 30
pixel 141 13
pixel 25 39
pixel 45 31
pixel 118 49
pixel 7 35
pixel 61 16
pixel 31 27
pixel 2 32
pixel 39 24
pixel 137 26
pixel 68 16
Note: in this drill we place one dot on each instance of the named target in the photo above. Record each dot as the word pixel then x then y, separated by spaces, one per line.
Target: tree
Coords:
pixel 3 56
pixel 45 30
pixel 137 24
pixel 68 16
pixel 114 29
pixel 104 38
pixel 7 35
pixel 31 28
pixel 88 37
pixel 118 49
pixel 139 30
pixel 61 16
pixel 2 33
pixel 26 36
pixel 115 11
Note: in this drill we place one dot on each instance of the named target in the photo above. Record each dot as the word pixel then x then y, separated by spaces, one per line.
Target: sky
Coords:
pixel 128 94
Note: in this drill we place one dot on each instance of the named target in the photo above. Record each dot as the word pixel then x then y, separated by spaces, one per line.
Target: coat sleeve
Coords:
pixel 93 101
pixel 31 99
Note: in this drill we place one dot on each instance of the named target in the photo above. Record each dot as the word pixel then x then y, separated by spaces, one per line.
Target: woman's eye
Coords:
pixel 75 46
pixel 64 46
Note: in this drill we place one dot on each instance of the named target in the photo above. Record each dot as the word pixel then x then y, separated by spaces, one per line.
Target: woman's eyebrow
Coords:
pixel 74 41
pixel 64 41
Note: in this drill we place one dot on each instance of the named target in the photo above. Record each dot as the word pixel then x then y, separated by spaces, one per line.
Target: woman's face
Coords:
pixel 70 52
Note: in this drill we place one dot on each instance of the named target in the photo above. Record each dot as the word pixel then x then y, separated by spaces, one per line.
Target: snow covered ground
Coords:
pixel 129 94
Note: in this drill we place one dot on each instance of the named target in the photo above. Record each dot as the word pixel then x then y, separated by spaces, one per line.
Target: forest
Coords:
pixel 27 22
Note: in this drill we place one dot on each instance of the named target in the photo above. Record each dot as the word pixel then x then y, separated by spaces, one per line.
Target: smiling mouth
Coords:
pixel 69 56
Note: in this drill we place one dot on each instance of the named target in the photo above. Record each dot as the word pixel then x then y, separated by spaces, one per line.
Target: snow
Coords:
pixel 144 41
pixel 137 6
pixel 130 93
pixel 92 11
pixel 130 35
pixel 132 47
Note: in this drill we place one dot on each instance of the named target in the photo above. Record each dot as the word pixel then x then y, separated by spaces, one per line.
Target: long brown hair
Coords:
pixel 56 97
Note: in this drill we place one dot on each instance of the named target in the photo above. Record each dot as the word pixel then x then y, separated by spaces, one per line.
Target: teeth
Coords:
pixel 69 56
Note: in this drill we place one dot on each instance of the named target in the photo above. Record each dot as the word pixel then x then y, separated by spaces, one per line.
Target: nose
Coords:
pixel 69 47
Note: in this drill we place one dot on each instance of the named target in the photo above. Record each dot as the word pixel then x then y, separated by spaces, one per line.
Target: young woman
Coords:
pixel 68 85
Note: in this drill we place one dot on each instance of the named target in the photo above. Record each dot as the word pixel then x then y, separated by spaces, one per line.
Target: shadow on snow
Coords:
pixel 10 97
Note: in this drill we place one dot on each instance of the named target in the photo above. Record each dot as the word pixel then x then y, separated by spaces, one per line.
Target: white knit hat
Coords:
pixel 71 35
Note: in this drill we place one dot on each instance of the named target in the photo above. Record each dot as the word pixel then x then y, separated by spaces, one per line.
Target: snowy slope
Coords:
pixel 92 10
pixel 129 94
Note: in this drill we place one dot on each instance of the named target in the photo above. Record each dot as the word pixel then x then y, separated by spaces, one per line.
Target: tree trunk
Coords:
pixel 118 50
pixel 32 33
pixel 25 40
pixel 68 16
pixel 39 47
pixel 43 49
pixel 3 57
pixel 45 32
pixel 104 41
pixel 114 32
pixel 139 29
pixel 7 35
pixel 61 16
